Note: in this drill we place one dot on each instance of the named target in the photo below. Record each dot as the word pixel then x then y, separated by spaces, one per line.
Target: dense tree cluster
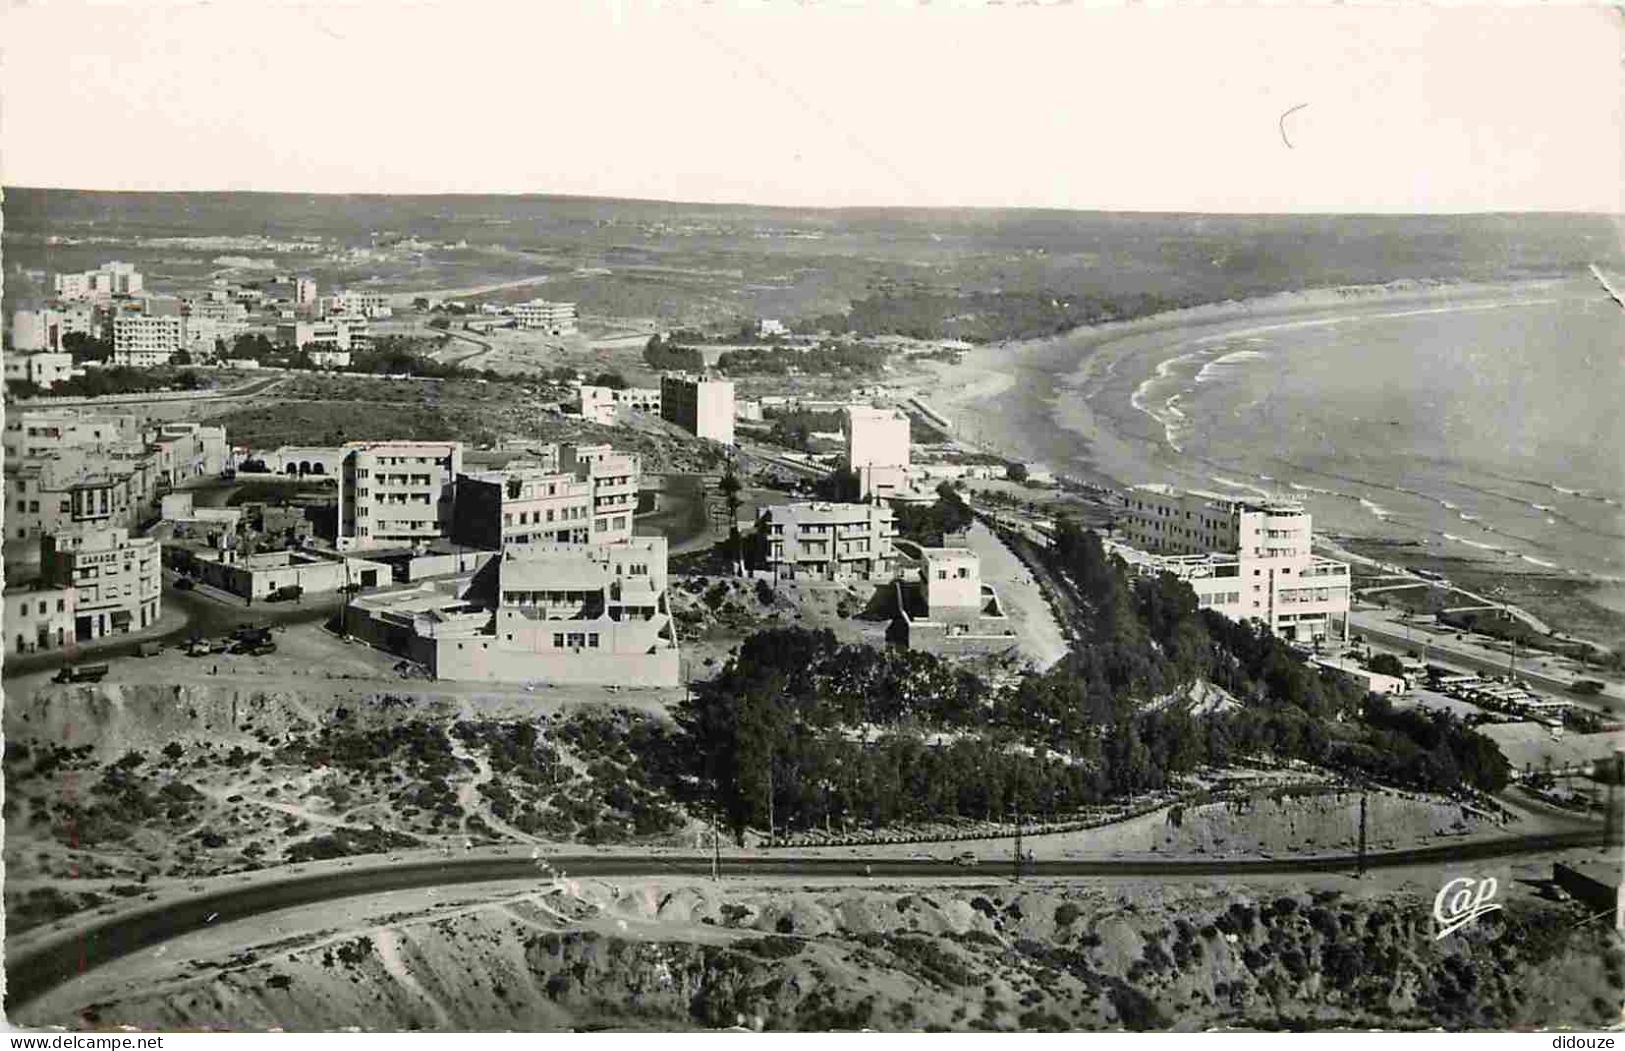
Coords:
pixel 665 356
pixel 799 731
pixel 927 523
pixel 830 359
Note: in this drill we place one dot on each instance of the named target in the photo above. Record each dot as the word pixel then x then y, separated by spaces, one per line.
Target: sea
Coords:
pixel 1490 425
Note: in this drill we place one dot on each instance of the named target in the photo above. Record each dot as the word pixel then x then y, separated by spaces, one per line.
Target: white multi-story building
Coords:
pixel 304 292
pixel 597 404
pixel 143 342
pixel 556 319
pixel 329 334
pixel 702 406
pixel 47 329
pixel 528 500
pixel 361 304
pixel 877 450
pixel 396 493
pixel 1246 558
pixel 116 577
pixel 39 433
pixel 39 617
pixel 821 541
pixel 615 477
pixel 105 282
pixel 950 580
pixel 568 613
pixel 43 368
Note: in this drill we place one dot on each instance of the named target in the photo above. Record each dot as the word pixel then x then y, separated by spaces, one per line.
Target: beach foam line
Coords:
pixel 1381 512
pixel 1471 543
pixel 1541 562
pixel 1231 483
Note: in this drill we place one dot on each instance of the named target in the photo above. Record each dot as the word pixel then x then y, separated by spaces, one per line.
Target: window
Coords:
pixel 592 640
pixel 558 640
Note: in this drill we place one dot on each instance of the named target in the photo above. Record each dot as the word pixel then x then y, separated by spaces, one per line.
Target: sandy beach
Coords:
pixel 1004 396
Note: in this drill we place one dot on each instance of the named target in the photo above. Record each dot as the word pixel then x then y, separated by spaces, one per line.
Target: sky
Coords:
pixel 818 103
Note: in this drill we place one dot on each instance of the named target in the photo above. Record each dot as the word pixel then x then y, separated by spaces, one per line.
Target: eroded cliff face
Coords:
pixel 905 959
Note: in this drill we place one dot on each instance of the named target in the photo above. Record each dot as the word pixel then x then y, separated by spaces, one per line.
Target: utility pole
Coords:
pixel 1360 871
pixel 1018 842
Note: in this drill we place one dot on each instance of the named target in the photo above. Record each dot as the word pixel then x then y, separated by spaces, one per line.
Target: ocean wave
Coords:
pixel 1465 517
pixel 1541 562
pixel 1448 506
pixel 1235 357
pixel 1231 483
pixel 1376 509
pixel 1298 487
pixel 1471 543
pixel 1543 507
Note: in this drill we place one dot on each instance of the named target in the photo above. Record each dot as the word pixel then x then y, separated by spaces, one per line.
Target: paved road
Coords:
pixel 33 971
pixel 1382 632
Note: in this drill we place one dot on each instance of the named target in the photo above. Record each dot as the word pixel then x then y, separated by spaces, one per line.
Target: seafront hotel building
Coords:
pixel 1246 558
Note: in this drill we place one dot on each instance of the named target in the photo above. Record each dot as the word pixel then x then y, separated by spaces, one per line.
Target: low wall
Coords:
pixel 483 660
pixel 446 565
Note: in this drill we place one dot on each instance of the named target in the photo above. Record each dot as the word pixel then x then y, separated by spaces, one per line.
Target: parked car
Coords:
pixel 149 649
pixel 286 593
pixel 184 583
pixel 966 860
pixel 81 673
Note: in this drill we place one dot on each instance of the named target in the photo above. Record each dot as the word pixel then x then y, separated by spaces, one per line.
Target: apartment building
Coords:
pixel 349 301
pixel 596 404
pixel 950 581
pixel 615 477
pixel 109 280
pixel 39 617
pixel 329 334
pixel 116 577
pixel 396 493
pixel 877 450
pixel 567 613
pixel 46 329
pixel 43 369
pixel 702 406
pixel 556 319
pixel 209 336
pixel 1246 558
pixel 31 433
pixel 304 292
pixel 819 541
pixel 526 501
pixel 188 451
pixel 144 342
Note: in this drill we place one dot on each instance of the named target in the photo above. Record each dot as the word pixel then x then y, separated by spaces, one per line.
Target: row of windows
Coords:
pixel 44 607
pixel 575 639
pixel 525 517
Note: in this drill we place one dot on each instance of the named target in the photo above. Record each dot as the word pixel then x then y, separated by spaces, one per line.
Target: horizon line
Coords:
pixel 1063 209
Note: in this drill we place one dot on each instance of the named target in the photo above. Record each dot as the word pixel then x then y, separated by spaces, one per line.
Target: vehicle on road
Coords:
pixel 286 593
pixel 81 673
pixel 149 649
pixel 184 584
pixel 966 860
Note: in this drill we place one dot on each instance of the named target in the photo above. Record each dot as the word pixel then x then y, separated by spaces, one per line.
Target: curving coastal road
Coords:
pixel 32 972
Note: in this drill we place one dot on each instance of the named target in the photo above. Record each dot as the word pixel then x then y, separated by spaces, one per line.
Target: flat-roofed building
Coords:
pixel 1247 558
pixel 526 501
pixel 639 399
pixel 877 450
pixel 105 282
pixel 556 319
pixel 596 404
pixel 44 369
pixel 544 612
pixel 143 342
pixel 353 301
pixel 616 478
pixel 39 617
pixel 702 406
pixel 189 451
pixel 34 433
pixel 396 493
pixel 819 541
pixel 117 578
pixel 329 334
pixel 951 580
